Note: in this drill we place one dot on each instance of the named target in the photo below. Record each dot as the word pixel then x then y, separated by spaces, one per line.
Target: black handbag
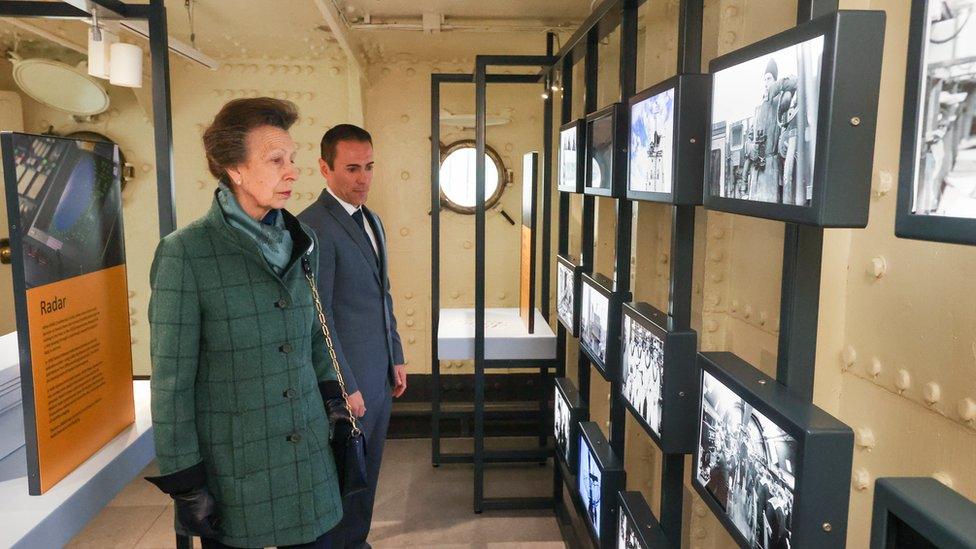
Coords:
pixel 349 451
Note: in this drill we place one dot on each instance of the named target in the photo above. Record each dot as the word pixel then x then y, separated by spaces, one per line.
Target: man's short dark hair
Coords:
pixel 342 132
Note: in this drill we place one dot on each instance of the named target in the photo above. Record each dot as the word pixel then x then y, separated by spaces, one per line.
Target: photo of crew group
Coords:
pixel 747 464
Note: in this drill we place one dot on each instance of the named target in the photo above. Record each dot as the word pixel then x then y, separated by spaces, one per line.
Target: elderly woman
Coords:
pixel 240 366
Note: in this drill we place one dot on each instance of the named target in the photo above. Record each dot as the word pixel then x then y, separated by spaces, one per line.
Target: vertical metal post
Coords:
pixel 680 288
pixel 435 268
pixel 590 70
pixel 162 119
pixel 627 72
pixel 546 171
pixel 809 9
pixel 800 295
pixel 562 246
pixel 479 287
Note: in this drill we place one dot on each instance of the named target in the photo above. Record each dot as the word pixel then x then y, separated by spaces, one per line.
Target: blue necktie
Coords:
pixel 357 216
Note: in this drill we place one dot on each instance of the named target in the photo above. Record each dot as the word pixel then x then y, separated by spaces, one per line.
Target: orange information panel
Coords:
pixel 71 299
pixel 82 375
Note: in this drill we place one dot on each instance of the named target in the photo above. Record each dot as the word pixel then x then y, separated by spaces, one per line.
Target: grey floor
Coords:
pixel 417 506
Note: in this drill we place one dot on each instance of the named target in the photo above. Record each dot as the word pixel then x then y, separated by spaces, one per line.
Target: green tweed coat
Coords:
pixel 237 354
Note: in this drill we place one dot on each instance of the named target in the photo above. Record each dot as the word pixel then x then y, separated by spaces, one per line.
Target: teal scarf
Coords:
pixel 270 234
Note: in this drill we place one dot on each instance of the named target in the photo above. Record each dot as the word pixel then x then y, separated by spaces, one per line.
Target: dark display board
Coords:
pixel 793 122
pixel 568 411
pixel 598 327
pixel 773 468
pixel 921 513
pixel 937 179
pixel 568 274
pixel 637 528
pixel 668 128
pixel 658 376
pixel 606 151
pixel 572 154
pixel 600 476
pixel 70 297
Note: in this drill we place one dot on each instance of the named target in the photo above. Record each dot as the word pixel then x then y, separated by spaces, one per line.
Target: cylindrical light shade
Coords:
pixel 126 65
pixel 98 53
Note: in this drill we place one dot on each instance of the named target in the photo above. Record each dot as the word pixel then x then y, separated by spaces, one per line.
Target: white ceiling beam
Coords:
pixel 334 21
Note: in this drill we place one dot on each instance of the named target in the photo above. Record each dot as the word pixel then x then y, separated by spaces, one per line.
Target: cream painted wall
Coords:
pixel 318 87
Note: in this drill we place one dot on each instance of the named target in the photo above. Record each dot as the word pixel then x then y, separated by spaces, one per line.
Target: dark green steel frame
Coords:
pixel 938 513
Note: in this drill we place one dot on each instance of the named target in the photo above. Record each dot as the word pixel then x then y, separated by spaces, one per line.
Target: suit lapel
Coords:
pixel 380 234
pixel 345 221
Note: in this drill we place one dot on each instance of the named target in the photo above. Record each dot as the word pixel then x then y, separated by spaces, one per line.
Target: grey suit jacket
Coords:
pixel 355 292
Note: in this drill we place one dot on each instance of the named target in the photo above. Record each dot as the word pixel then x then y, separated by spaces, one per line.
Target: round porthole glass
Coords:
pixel 457 177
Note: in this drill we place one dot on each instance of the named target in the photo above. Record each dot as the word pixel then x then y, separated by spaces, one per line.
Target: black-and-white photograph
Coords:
pixel 626 535
pixel 561 424
pixel 565 295
pixel 567 158
pixel 945 173
pixel 748 464
pixel 764 126
pixel 594 321
pixel 651 153
pixel 643 372
pixel 600 152
pixel 589 480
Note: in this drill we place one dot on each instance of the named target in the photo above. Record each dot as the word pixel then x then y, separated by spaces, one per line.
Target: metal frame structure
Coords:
pixel 920 511
pixel 155 14
pixel 480 456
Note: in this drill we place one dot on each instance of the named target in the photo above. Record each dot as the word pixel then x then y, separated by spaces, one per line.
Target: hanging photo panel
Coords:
pixel 668 131
pixel 600 476
pixel 937 179
pixel 793 120
pixel 774 469
pixel 606 152
pixel 572 149
pixel 637 528
pixel 567 293
pixel 921 513
pixel 568 411
pixel 599 336
pixel 658 377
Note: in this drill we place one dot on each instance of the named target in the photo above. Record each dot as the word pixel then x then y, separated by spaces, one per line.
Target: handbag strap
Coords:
pixel 328 342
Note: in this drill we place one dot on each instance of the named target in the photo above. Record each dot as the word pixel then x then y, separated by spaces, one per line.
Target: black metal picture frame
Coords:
pixel 612 479
pixel 846 115
pixel 676 383
pixel 616 114
pixel 909 224
pixel 922 513
pixel 609 364
pixel 576 270
pixel 637 527
pixel 817 512
pixel 689 133
pixel 568 450
pixel 575 128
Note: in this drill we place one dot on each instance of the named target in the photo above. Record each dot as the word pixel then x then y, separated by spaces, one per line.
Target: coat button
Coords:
pixel 286 348
pixel 290 393
pixel 281 303
pixel 294 438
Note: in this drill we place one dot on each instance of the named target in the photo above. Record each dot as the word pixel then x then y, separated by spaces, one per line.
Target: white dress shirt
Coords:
pixel 350 209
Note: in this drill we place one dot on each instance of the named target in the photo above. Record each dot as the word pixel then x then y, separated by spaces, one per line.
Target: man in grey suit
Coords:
pixel 355 290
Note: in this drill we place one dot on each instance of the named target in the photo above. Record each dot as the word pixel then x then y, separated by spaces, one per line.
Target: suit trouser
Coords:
pixel 357 511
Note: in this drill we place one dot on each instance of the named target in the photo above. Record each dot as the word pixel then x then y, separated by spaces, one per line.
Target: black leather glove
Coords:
pixel 335 409
pixel 196 509
pixel 197 512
